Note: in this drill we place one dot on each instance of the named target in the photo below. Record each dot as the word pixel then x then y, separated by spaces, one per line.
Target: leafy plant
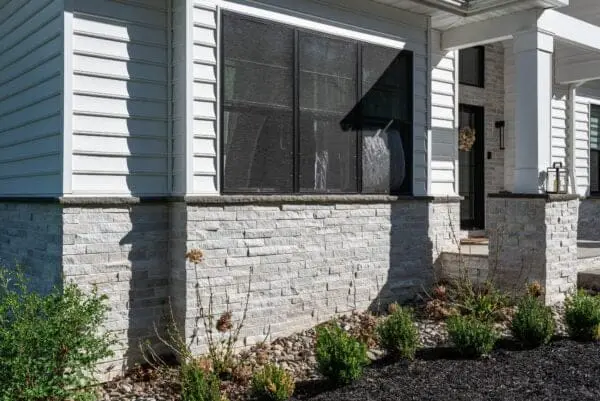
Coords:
pixel 340 357
pixel 533 323
pixel 484 303
pixel 272 384
pixel 471 337
pixel 198 383
pixel 582 315
pixel 398 334
pixel 49 344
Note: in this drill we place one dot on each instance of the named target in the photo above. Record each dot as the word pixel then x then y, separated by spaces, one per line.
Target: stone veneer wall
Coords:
pixel 534 238
pixel 310 260
pixel 589 219
pixel 31 236
pixel 123 250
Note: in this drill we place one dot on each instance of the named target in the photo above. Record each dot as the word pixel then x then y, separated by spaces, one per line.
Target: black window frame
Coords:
pixel 479 82
pixel 594 109
pixel 296 191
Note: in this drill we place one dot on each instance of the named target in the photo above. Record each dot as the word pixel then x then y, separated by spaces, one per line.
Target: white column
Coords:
pixel 533 109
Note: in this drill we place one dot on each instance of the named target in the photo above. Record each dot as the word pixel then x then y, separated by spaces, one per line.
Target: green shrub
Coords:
pixel 49 345
pixel 533 323
pixel 340 357
pixel 398 334
pixel 198 384
pixel 582 315
pixel 471 337
pixel 272 384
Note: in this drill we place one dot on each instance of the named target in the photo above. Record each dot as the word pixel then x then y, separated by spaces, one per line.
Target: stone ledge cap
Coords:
pixel 546 197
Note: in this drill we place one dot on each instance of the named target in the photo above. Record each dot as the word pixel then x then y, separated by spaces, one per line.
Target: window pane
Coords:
pixel 327 95
pixel 257 106
pixel 471 66
pixel 385 120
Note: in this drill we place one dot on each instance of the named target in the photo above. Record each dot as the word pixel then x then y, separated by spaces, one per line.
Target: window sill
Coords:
pixel 303 199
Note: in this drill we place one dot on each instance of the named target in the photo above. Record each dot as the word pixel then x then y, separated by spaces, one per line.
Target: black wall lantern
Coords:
pixel 500 128
pixel 557 179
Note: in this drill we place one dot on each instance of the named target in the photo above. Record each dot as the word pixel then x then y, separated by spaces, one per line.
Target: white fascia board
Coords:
pixel 567 73
pixel 489 31
pixel 571 30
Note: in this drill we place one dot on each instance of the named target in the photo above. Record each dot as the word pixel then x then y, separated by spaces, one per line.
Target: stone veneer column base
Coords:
pixel 534 238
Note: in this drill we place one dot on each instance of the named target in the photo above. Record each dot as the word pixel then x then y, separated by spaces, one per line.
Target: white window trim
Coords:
pixel 309 22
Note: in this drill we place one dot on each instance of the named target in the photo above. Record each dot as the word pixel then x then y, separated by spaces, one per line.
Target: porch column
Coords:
pixel 533 110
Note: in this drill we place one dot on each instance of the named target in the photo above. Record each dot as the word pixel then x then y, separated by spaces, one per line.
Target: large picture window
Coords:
pixel 594 149
pixel 304 112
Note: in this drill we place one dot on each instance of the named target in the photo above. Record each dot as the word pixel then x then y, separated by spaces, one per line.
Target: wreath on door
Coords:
pixel 466 139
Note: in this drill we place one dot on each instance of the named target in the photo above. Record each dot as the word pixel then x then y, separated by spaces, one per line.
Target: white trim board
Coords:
pixel 309 22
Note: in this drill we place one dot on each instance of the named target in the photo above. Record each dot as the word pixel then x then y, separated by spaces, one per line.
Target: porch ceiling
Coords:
pixel 447 14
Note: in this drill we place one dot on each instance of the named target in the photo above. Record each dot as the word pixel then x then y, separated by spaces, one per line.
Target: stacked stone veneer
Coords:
pixel 31 236
pixel 534 238
pixel 309 260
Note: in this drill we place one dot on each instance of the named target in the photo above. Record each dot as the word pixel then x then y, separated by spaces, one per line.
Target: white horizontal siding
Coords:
pixel 31 60
pixel 559 126
pixel 442 122
pixel 120 97
pixel 582 146
pixel 204 52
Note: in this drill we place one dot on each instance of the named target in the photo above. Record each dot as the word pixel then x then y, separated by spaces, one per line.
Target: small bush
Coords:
pixel 398 334
pixel 272 384
pixel 199 384
pixel 340 357
pixel 582 315
pixel 471 337
pixel 533 323
pixel 49 344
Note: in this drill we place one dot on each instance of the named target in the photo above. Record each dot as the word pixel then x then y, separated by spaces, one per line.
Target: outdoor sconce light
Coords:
pixel 500 128
pixel 557 179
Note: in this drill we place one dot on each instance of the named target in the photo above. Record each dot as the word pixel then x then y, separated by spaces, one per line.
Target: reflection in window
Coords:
pixel 327 91
pixel 258 99
pixel 309 113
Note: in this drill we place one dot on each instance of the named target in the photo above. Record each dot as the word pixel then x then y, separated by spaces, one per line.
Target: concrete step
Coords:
pixel 589 279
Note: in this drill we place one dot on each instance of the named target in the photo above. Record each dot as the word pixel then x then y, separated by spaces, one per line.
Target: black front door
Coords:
pixel 471 168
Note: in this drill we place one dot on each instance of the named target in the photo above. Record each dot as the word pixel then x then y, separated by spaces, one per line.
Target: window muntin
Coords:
pixel 472 66
pixel 342 125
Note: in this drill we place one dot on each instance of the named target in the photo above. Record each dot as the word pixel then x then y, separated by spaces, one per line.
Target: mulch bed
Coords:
pixel 563 370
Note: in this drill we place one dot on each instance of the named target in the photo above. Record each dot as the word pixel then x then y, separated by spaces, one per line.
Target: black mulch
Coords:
pixel 563 370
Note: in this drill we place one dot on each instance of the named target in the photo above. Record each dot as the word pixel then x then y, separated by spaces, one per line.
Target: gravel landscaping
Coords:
pixel 564 370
